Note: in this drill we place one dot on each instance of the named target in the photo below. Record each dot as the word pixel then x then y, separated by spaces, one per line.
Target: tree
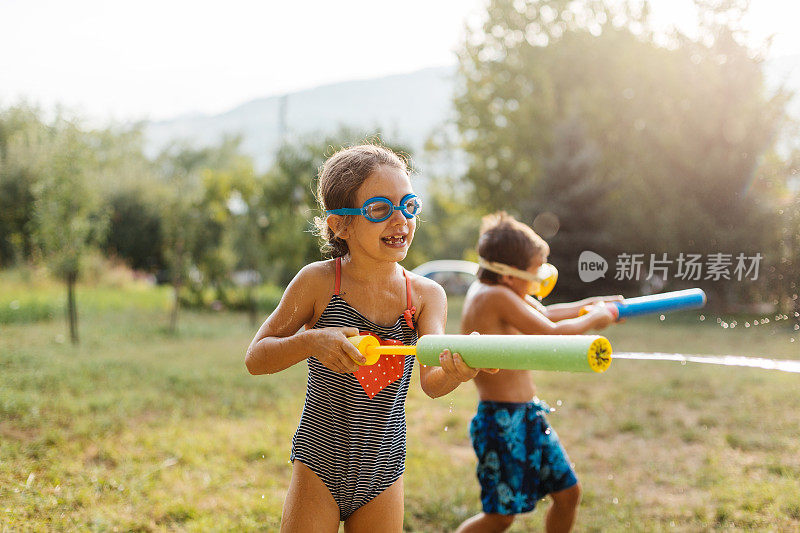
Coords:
pixel 68 216
pixel 18 124
pixel 448 225
pixel 680 128
pixel 783 274
pixel 135 228
pixel 223 204
pixel 249 225
pixel 132 190
pixel 567 204
pixel 189 230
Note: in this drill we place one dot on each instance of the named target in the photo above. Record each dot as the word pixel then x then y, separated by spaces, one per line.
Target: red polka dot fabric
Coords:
pixel 375 378
pixel 389 368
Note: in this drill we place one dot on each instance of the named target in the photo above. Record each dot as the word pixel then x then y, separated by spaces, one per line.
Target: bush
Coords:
pixel 26 311
pixel 266 297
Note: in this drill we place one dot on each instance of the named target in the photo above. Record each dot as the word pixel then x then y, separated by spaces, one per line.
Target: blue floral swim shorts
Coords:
pixel 520 459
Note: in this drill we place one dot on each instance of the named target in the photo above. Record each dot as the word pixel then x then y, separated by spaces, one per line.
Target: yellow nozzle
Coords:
pixel 600 354
pixel 371 349
pixel 548 275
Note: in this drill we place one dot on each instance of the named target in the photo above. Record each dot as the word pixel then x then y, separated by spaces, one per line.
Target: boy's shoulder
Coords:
pixel 494 300
pixel 488 308
pixel 485 293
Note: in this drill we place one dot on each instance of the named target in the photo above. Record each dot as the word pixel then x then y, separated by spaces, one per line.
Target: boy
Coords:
pixel 520 459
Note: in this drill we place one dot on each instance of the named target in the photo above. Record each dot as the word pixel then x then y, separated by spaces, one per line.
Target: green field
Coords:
pixel 139 430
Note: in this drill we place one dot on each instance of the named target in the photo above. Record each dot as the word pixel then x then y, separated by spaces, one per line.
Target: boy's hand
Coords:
pixel 601 315
pixel 599 299
pixel 334 351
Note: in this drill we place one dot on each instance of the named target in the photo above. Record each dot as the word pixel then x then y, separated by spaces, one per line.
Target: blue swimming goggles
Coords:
pixel 379 208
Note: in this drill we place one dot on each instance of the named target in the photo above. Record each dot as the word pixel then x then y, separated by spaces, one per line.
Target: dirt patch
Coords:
pixel 24 435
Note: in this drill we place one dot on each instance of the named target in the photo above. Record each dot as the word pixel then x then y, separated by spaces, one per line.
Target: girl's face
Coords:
pixel 387 240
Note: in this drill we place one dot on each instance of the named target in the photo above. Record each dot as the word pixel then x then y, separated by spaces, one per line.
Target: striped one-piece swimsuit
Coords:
pixel 354 443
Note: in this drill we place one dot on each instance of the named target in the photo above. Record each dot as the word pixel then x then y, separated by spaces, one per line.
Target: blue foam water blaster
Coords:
pixel 660 303
pixel 656 303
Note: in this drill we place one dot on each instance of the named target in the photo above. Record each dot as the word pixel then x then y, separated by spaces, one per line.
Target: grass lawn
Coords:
pixel 138 430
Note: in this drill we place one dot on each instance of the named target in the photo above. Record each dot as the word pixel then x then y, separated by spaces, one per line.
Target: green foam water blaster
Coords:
pixel 565 353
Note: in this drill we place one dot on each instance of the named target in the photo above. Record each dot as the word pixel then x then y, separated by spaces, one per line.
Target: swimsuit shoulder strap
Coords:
pixel 410 311
pixel 338 281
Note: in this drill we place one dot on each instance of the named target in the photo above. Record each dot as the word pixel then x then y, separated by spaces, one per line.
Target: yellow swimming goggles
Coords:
pixel 542 282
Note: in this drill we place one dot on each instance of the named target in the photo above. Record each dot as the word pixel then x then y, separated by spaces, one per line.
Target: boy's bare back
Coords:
pixel 484 308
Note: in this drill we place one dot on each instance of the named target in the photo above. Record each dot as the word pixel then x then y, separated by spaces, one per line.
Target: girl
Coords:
pixel 348 452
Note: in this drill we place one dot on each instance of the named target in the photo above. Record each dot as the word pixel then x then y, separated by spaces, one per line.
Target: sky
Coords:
pixel 122 60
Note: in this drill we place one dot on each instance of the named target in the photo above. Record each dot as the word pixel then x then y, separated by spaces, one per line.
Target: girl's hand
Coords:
pixel 334 351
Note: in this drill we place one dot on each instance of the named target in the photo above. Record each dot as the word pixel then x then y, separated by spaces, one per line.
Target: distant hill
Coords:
pixel 404 108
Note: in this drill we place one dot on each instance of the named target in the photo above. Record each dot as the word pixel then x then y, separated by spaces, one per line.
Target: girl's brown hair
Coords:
pixel 504 239
pixel 339 179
